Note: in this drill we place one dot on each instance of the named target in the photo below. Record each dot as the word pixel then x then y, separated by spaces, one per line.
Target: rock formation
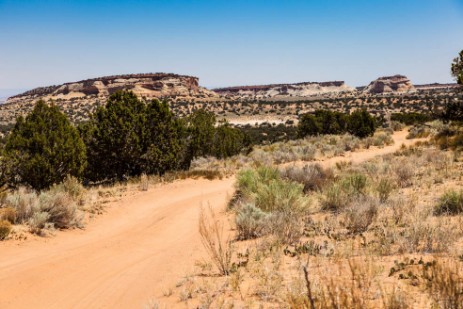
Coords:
pixel 390 84
pixel 151 85
pixel 285 90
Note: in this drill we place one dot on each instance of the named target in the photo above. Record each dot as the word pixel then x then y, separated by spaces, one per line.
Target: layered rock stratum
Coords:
pixel 390 84
pixel 149 85
pixel 285 90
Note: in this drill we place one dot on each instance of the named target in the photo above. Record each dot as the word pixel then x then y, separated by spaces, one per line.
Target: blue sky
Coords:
pixel 225 43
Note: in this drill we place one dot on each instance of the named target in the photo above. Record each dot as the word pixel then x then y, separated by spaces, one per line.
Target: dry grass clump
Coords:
pixel 8 214
pixel 360 214
pixel 314 177
pixel 144 182
pixel 54 208
pixel 217 244
pixel 445 284
pixel 5 229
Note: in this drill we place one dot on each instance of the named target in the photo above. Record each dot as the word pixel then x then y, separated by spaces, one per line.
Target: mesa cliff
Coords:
pixel 149 85
pixel 285 90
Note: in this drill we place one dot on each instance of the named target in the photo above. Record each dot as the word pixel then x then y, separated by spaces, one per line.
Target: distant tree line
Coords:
pixel 359 123
pixel 411 118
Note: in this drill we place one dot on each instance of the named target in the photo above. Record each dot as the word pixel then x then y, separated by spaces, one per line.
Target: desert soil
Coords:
pixel 135 252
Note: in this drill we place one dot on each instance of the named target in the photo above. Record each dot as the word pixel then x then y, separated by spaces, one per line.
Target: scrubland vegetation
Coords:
pixel 384 233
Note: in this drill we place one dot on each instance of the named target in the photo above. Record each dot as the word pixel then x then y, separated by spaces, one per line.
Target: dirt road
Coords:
pixel 141 247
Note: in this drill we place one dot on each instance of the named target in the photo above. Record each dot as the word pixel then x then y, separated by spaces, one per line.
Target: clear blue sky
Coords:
pixel 225 43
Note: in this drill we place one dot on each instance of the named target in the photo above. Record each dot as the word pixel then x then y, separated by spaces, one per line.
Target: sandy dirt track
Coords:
pixel 141 247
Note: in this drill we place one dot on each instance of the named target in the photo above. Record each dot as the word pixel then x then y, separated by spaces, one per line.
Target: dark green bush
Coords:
pixel 44 148
pixel 128 137
pixel 411 118
pixel 360 123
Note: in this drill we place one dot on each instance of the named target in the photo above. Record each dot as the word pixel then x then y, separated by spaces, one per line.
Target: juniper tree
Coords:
pixel 43 148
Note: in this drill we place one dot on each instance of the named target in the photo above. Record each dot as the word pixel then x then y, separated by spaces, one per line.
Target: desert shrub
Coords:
pixel 251 222
pixel 39 221
pixel 61 209
pixel 404 172
pixel 418 131
pixel 8 214
pixel 5 229
pixel 54 207
pixel 249 180
pixel 23 202
pixel 354 184
pixel 282 200
pixel 384 188
pixel 381 139
pixel 360 214
pixel 44 148
pixel 73 187
pixel 451 202
pixel 314 177
pixel 334 198
pixel 397 126
pixel 280 195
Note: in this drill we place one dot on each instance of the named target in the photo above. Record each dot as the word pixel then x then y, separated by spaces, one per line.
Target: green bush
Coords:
pixel 335 199
pixel 282 200
pixel 5 229
pixel 384 189
pixel 44 148
pixel 361 124
pixel 451 202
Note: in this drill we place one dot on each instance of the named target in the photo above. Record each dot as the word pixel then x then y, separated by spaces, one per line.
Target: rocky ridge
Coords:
pixel 149 85
pixel 285 90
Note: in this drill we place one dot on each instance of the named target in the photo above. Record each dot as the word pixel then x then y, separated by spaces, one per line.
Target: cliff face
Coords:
pixel 437 86
pixel 388 84
pixel 151 85
pixel 284 90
